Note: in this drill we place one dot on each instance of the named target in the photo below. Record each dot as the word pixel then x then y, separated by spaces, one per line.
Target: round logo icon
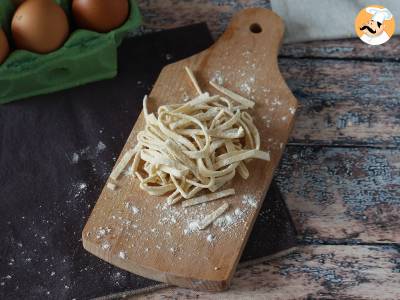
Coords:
pixel 374 24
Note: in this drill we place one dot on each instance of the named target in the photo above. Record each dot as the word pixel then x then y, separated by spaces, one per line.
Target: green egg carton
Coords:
pixel 86 56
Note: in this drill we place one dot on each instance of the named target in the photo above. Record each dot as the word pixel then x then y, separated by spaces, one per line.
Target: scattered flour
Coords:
pixel 238 212
pixel 236 217
pixel 105 246
pixel 245 88
pixel 266 90
pixel 218 78
pixel 75 158
pixel 249 200
pixel 210 238
pixel 101 232
pixel 246 53
pixel 88 152
pixel 276 102
pixel 122 254
pixel 132 208
pixel 192 226
pixel 185 97
pixel 100 147
pixel 78 189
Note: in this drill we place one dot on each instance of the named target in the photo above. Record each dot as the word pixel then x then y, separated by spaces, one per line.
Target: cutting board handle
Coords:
pixel 259 28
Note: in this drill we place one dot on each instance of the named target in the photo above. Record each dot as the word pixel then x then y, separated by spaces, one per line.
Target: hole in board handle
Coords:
pixel 255 28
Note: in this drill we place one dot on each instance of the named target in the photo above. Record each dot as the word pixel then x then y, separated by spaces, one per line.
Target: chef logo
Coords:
pixel 374 25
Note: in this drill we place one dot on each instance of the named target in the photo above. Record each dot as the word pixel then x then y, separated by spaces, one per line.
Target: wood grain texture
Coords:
pixel 345 102
pixel 322 272
pixel 346 49
pixel 194 262
pixel 342 195
pixel 170 14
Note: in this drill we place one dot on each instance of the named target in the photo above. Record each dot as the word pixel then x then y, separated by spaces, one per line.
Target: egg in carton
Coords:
pixel 86 56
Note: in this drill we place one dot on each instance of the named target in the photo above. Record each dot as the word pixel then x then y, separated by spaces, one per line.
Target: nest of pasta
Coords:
pixel 195 146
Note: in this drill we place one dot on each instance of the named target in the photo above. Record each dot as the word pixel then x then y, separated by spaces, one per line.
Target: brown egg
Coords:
pixel 101 16
pixel 39 26
pixel 4 47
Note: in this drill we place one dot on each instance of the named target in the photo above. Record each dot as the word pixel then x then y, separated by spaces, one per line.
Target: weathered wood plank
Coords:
pixel 323 272
pixel 345 102
pixel 339 195
pixel 170 14
pixel 344 49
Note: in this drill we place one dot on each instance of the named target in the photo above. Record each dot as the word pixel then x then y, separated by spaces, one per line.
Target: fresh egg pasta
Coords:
pixel 195 146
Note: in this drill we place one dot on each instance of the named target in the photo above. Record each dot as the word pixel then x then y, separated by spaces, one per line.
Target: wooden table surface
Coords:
pixel 340 175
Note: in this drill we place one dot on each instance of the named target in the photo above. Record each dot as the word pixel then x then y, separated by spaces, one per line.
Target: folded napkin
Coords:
pixel 308 20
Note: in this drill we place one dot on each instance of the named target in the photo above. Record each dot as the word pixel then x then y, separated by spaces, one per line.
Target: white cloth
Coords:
pixel 308 20
pixel 375 40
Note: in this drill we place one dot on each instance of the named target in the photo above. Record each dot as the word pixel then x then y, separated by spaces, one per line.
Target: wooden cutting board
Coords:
pixel 140 233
